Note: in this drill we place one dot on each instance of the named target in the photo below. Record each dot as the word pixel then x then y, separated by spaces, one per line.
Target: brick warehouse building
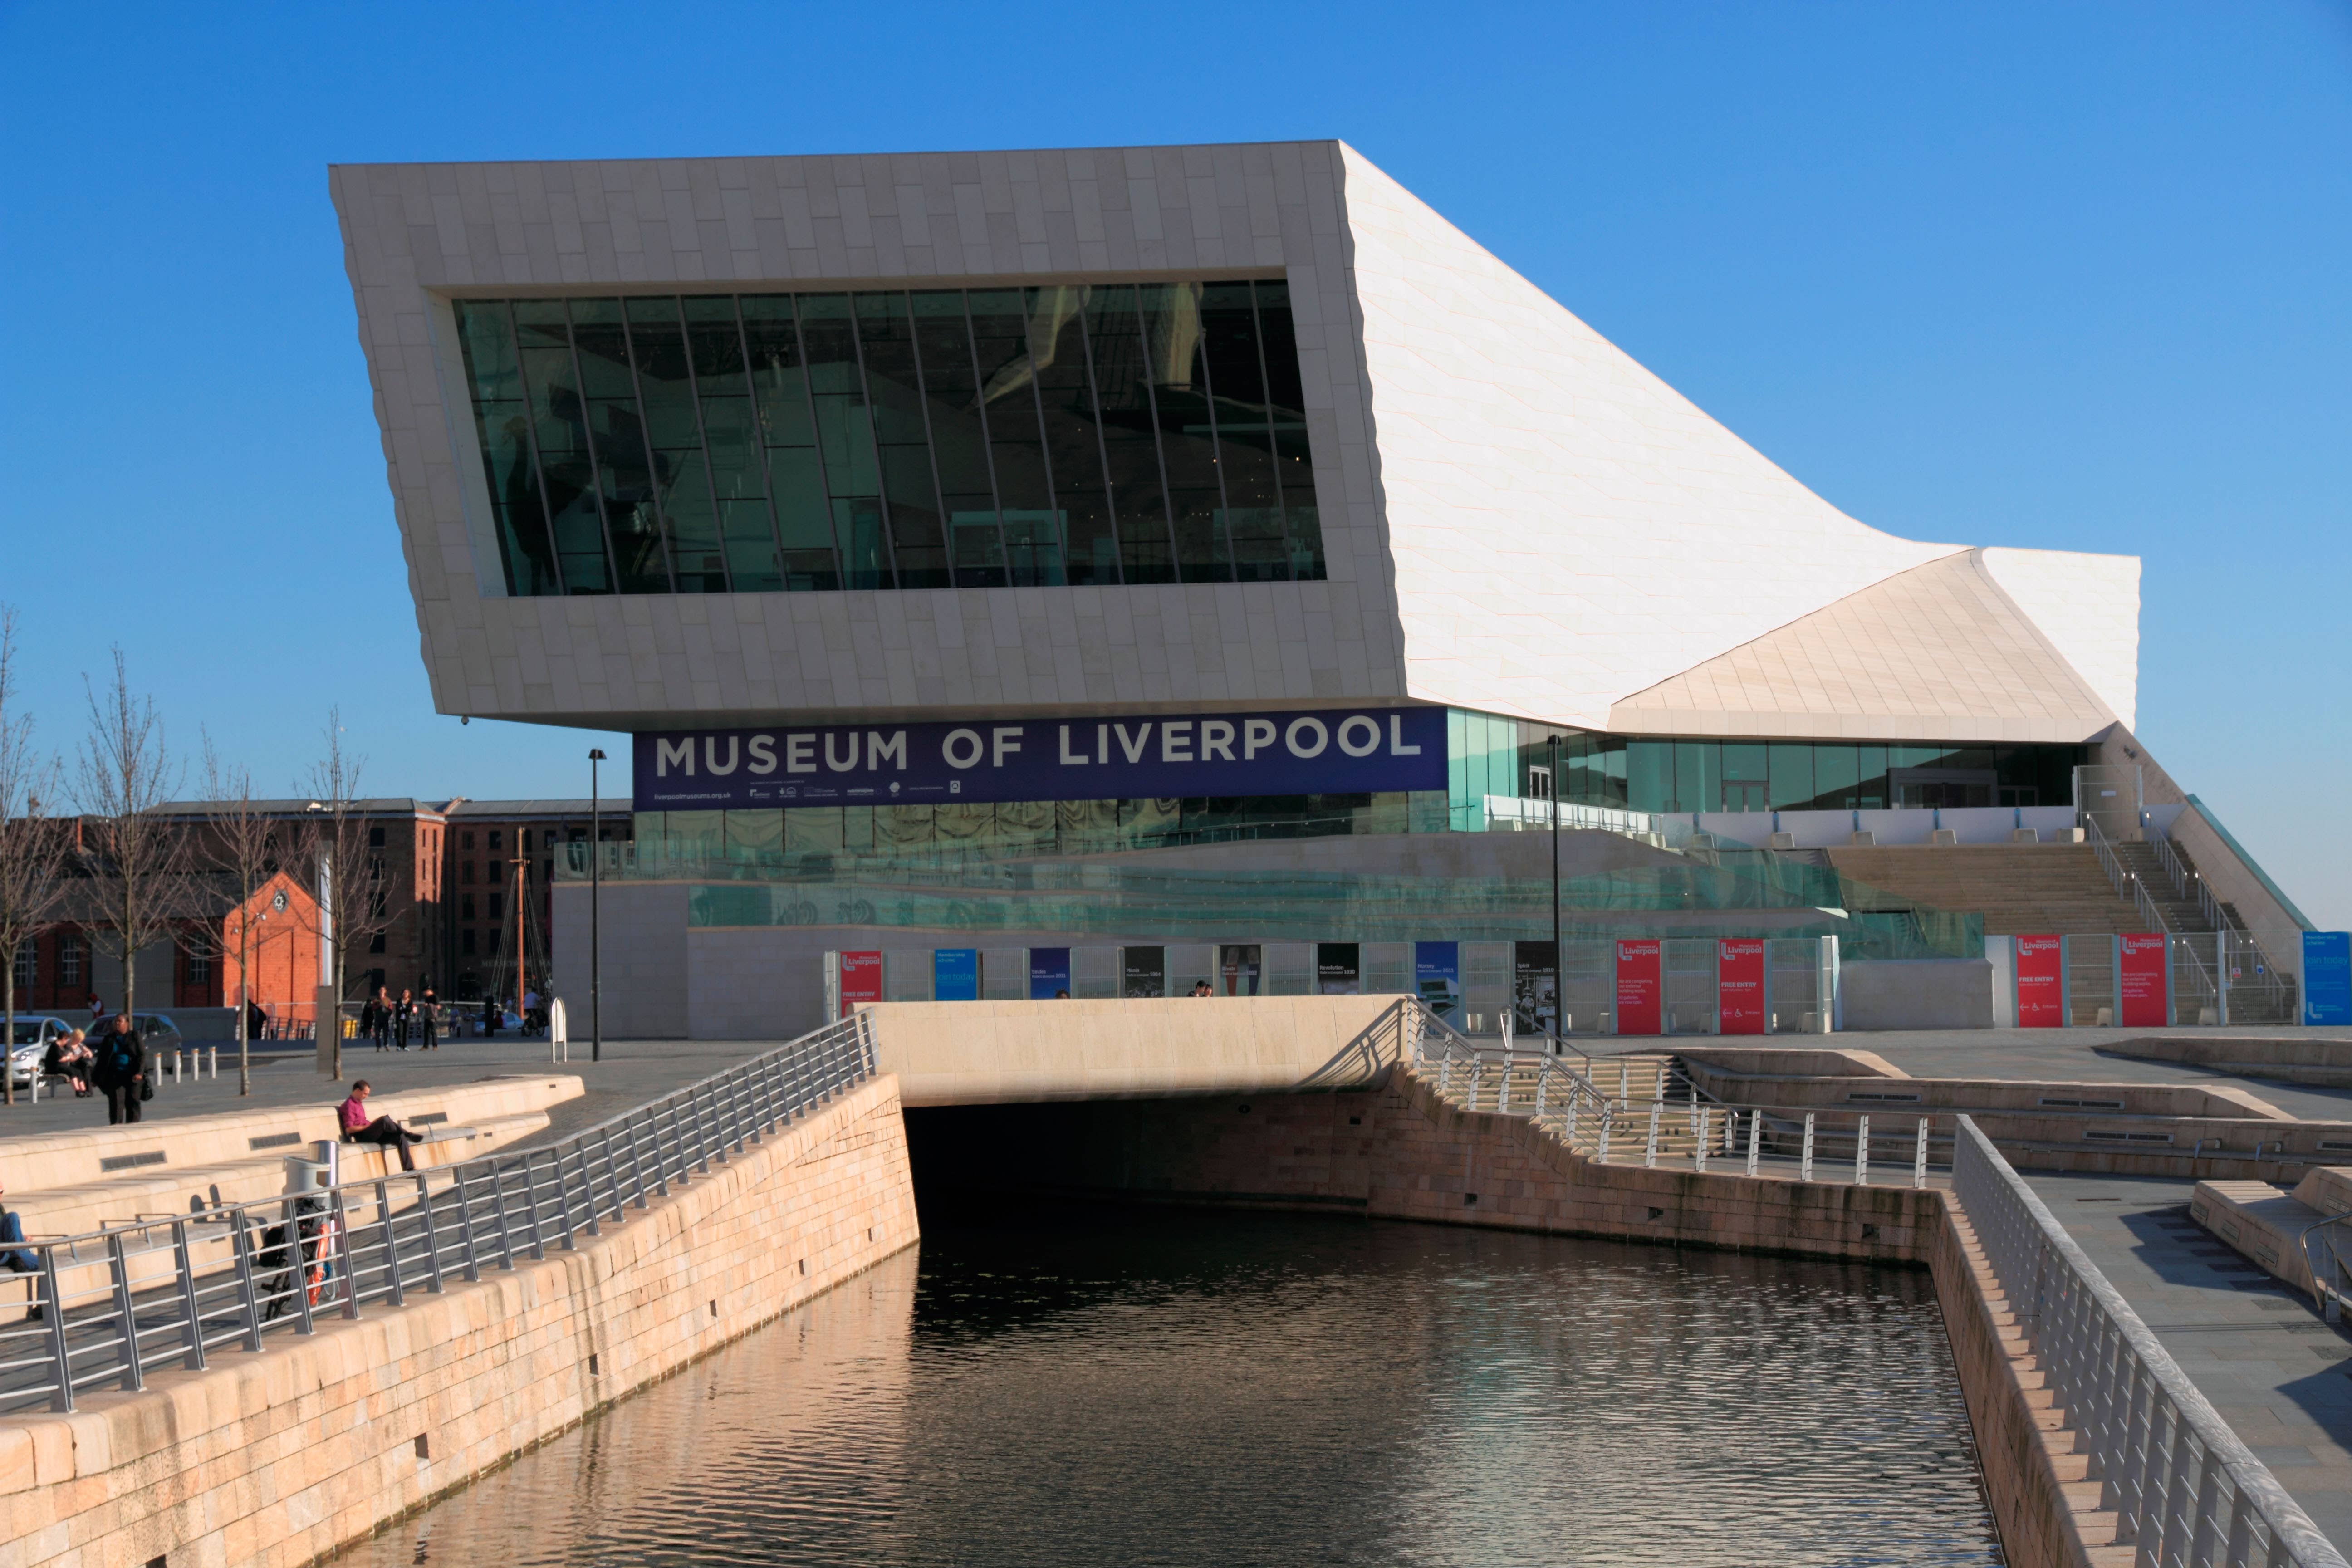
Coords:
pixel 446 882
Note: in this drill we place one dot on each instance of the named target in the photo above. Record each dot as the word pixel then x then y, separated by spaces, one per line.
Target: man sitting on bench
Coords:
pixel 383 1129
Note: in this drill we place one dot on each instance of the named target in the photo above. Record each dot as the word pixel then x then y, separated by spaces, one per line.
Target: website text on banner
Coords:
pixel 2327 977
pixel 2041 971
pixel 1640 1001
pixel 1327 752
pixel 1740 987
pixel 2142 981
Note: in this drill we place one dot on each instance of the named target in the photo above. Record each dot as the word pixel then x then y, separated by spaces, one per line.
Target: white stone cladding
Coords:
pixel 1517 517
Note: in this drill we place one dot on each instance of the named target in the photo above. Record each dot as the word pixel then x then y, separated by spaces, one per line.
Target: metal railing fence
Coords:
pixel 113 1305
pixel 2184 1488
pixel 1648 1121
pixel 2127 881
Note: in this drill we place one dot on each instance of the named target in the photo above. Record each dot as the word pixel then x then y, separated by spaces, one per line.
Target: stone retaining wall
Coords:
pixel 282 1457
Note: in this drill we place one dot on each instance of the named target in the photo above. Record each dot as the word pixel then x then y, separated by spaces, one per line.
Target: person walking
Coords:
pixel 489 1017
pixel 382 1130
pixel 120 1071
pixel 367 1023
pixel 256 1022
pixel 382 1018
pixel 403 1013
pixel 428 1016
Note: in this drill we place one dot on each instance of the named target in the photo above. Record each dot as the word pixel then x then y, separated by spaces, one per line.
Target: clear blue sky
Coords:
pixel 2074 278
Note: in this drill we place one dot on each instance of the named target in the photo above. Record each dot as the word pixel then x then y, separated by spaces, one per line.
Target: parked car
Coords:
pixel 31 1041
pixel 157 1032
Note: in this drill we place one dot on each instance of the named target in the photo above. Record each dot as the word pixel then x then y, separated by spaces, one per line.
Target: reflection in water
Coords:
pixel 1096 1386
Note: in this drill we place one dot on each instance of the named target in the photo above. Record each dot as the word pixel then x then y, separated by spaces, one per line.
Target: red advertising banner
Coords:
pixel 2041 983
pixel 861 980
pixel 2142 983
pixel 1739 986
pixel 1639 992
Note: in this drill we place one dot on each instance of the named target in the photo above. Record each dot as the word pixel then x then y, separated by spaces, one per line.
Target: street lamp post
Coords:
pixel 595 936
pixel 1558 959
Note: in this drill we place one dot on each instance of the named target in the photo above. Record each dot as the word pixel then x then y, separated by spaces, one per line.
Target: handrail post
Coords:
pixel 248 1295
pixel 394 1291
pixel 342 1217
pixel 1862 1153
pixel 562 1206
pixel 61 1399
pixel 433 1285
pixel 1805 1164
pixel 191 1321
pixel 498 1208
pixel 1698 1137
pixel 1919 1159
pixel 612 1177
pixel 305 1251
pixel 1755 1139
pixel 118 1268
pixel 1650 1153
pixel 466 1226
pixel 531 1209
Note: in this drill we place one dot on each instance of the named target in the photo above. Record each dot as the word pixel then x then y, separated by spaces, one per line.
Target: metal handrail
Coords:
pixel 2127 882
pixel 2183 1487
pixel 116 1303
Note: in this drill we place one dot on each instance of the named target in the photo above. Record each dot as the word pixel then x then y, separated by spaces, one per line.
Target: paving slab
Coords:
pixel 2278 1374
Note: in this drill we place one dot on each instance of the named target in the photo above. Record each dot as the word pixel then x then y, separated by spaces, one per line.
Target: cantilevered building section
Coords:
pixel 995 508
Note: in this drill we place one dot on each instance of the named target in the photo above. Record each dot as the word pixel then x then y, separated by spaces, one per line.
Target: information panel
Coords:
pixel 1739 986
pixel 861 980
pixel 955 974
pixel 1437 975
pixel 2327 977
pixel 1143 972
pixel 2041 983
pixel 1639 994
pixel 1325 751
pixel 1049 973
pixel 1535 987
pixel 2140 981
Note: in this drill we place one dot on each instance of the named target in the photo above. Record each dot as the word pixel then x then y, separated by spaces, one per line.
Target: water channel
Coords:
pixel 1069 1385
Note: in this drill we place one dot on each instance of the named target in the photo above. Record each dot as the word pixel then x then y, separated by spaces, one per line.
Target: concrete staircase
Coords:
pixel 2032 889
pixel 2180 914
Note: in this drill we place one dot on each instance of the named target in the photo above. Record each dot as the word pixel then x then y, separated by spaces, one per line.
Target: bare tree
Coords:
pixel 351 906
pixel 32 845
pixel 242 845
pixel 137 858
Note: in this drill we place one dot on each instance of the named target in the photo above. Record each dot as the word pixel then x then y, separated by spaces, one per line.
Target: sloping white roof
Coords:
pixel 1568 531
pixel 1938 652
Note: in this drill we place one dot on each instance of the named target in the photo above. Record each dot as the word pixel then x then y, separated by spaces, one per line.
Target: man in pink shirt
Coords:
pixel 357 1128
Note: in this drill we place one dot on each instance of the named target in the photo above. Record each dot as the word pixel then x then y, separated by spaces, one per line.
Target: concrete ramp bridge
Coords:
pixel 353 1348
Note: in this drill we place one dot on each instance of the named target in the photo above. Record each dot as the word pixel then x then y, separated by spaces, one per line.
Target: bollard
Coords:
pixel 1919 1159
pixel 175 1066
pixel 1805 1161
pixel 1862 1153
pixel 215 1063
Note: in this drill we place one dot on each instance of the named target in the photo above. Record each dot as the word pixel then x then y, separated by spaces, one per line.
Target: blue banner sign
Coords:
pixel 1049 973
pixel 1437 975
pixel 1327 752
pixel 955 974
pixel 2327 977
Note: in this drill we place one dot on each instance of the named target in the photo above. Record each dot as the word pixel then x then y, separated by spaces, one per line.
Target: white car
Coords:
pixel 31 1041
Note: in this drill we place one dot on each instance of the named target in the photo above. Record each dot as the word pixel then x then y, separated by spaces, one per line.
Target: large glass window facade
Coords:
pixel 991 437
pixel 1641 775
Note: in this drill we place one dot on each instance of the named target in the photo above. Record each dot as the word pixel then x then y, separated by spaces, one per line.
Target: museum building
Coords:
pixel 1144 546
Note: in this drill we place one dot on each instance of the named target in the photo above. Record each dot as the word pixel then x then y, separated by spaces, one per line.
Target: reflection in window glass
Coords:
pixel 518 514
pixel 616 439
pixel 975 540
pixel 1008 401
pixel 902 438
pixel 1066 403
pixel 787 429
pixel 1122 381
pixel 1064 434
pixel 681 483
pixel 845 430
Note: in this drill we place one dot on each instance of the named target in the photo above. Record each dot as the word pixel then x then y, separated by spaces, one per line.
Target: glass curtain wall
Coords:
pixel 1642 775
pixel 1065 435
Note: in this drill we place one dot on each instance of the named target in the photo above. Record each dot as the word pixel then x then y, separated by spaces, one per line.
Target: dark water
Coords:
pixel 1146 1386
